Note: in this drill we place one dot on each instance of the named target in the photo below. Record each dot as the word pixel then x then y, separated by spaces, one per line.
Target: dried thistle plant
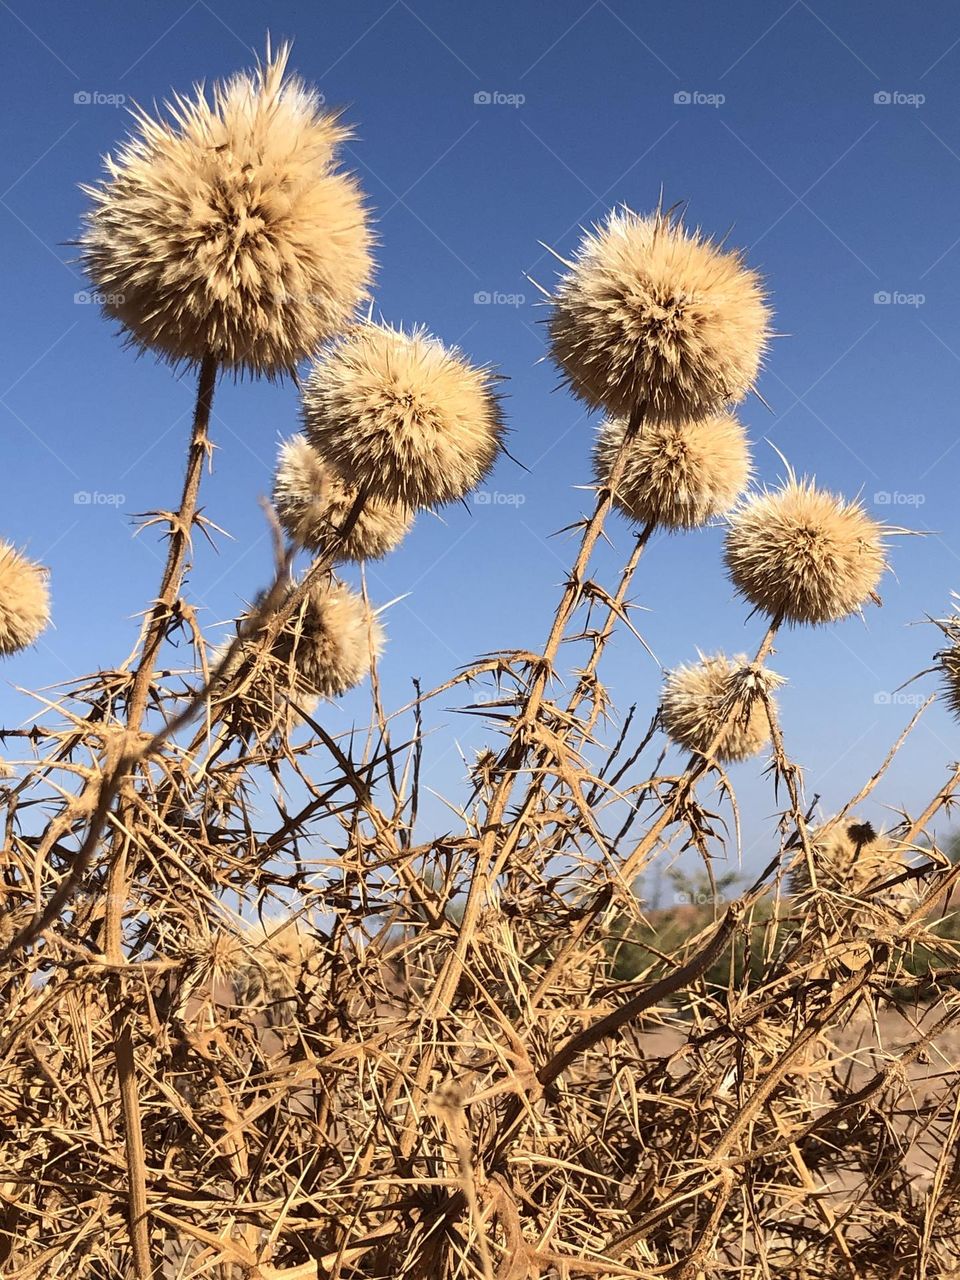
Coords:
pixel 265 694
pixel 313 504
pixel 325 648
pixel 849 857
pixel 723 699
pixel 950 666
pixel 948 659
pixel 676 475
pixel 255 969
pixel 227 230
pixel 474 1048
pixel 651 313
pixel 331 640
pixel 803 554
pixel 24 600
pixel 403 417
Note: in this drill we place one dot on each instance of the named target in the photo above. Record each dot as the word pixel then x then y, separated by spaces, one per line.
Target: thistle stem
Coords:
pixel 181 529
pixel 603 635
pixel 516 750
pixel 697 767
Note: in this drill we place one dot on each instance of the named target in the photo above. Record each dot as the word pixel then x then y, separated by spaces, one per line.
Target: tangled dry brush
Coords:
pixel 257 1021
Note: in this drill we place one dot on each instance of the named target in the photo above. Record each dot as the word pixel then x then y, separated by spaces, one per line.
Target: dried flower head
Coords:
pixel 312 504
pixel 227 230
pixel 331 641
pixel 679 475
pixel 24 600
pixel 848 858
pixel 949 662
pixel 326 648
pixel 804 554
pixel 653 316
pixel 258 967
pixel 403 416
pixel 265 967
pixel 719 694
pixel 265 696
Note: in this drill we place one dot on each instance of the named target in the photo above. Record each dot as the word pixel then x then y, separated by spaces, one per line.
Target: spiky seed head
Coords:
pixel 24 600
pixel 655 316
pixel 262 964
pixel 804 554
pixel 677 475
pixel 851 861
pixel 402 416
pixel 331 642
pixel 326 648
pixel 227 230
pixel 268 964
pixel 719 693
pixel 312 504
pixel 265 696
pixel 850 858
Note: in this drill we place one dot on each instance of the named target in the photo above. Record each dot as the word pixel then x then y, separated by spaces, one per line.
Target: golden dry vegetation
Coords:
pixel 258 1023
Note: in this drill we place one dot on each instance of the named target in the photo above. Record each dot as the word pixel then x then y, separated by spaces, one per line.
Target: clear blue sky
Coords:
pixel 835 196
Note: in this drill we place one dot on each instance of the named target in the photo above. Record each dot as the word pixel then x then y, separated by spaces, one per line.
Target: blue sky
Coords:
pixel 828 136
